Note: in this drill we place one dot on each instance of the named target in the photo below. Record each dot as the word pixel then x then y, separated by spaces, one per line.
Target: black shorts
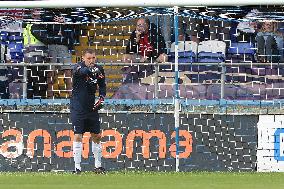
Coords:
pixel 86 124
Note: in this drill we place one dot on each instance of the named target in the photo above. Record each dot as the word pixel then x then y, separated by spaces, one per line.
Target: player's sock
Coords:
pixel 97 151
pixel 77 153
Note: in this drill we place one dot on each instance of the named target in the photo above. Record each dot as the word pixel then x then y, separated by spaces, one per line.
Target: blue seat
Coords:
pixel 16 51
pixel 15 36
pixel 211 57
pixel 211 51
pixel 241 52
pixel 16 47
pixel 187 52
pixel 3 37
pixel 183 57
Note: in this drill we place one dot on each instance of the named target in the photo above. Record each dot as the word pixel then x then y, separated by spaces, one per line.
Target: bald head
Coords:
pixel 142 25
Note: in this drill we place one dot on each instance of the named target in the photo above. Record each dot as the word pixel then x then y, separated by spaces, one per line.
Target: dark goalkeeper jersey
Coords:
pixel 85 85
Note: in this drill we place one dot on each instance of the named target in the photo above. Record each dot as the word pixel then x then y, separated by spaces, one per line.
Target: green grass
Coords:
pixel 144 180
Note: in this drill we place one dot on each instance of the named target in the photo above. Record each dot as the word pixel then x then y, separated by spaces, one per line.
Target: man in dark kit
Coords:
pixel 87 77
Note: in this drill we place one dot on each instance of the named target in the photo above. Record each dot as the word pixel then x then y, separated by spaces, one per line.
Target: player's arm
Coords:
pixel 102 90
pixel 78 70
pixel 102 83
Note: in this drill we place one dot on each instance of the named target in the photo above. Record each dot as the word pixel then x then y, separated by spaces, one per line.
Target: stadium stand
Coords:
pixel 187 52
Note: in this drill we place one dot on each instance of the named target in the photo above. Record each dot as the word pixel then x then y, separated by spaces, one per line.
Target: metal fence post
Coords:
pixel 223 78
pixel 156 80
pixel 25 82
pixel 176 98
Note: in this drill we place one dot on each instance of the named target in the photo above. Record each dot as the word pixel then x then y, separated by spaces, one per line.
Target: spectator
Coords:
pixel 146 44
pixel 183 36
pixel 60 39
pixel 11 52
pixel 245 31
pixel 164 23
pixel 192 32
pixel 280 39
pixel 267 48
pixel 35 52
pixel 4 83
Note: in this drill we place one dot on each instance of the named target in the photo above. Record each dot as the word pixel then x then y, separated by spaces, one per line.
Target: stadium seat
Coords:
pixel 241 52
pixel 3 37
pixel 16 51
pixel 187 51
pixel 211 51
pixel 15 36
pixel 15 46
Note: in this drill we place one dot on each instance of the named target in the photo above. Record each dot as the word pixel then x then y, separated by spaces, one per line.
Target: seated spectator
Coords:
pixel 146 44
pixel 35 52
pixel 267 48
pixel 183 36
pixel 60 39
pixel 10 52
pixel 4 83
pixel 197 35
pixel 280 39
pixel 246 30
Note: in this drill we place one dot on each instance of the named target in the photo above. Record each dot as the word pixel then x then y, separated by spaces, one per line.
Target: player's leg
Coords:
pixel 78 125
pixel 94 128
pixel 97 151
pixel 77 151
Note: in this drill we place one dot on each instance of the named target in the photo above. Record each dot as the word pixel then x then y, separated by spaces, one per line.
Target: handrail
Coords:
pixel 154 63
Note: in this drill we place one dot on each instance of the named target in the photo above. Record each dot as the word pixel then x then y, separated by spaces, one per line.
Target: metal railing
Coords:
pixel 156 65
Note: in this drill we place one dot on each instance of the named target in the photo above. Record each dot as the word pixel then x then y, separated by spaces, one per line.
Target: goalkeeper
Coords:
pixel 87 77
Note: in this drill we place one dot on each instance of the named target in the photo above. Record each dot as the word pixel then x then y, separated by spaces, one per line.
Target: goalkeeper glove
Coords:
pixel 99 104
pixel 96 72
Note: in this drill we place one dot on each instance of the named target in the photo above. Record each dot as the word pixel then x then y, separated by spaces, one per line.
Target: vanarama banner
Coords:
pixel 137 141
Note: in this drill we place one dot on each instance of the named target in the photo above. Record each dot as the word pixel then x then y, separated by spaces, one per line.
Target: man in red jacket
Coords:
pixel 146 44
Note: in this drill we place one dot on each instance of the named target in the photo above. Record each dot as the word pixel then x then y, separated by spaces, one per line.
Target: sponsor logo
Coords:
pixel 279 144
pixel 14 145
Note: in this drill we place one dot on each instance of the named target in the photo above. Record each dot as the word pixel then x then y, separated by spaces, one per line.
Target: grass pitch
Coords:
pixel 144 180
